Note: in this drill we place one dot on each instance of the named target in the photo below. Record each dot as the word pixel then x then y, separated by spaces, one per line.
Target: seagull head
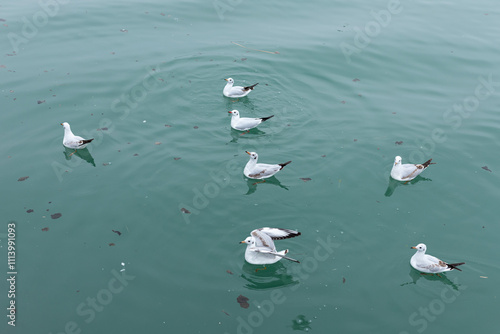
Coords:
pixel 66 125
pixel 248 241
pixel 234 112
pixel 230 80
pixel 420 248
pixel 397 160
pixel 253 155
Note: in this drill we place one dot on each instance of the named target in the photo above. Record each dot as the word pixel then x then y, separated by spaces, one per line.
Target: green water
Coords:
pixel 145 80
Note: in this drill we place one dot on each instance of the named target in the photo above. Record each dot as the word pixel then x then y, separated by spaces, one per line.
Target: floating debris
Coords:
pixel 117 232
pixel 343 280
pixel 226 313
pixel 29 211
pixel 45 229
pixel 355 79
pixel 157 142
pixel 243 301
pixel 56 215
pixel 177 158
pixel 23 178
pixel 111 244
pixel 168 125
pixel 195 127
pixel 40 101
pixel 486 168
pixel 399 143
pixel 136 154
pixel 229 272
pixel 305 179
pixel 184 210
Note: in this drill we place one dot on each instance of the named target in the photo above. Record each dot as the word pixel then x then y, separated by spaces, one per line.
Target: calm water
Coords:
pixel 351 86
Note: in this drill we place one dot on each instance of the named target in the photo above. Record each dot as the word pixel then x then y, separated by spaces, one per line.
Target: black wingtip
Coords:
pixel 455 265
pixel 86 141
pixel 266 118
pixel 427 163
pixel 250 87
pixel 284 164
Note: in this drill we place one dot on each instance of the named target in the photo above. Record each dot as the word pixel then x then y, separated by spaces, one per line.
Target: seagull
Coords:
pixel 260 245
pixel 245 123
pixel 72 141
pixel 430 264
pixel 407 172
pixel 254 170
pixel 236 91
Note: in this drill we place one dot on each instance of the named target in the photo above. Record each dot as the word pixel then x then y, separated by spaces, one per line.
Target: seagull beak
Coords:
pixel 61 124
pixel 242 242
pixel 413 247
pixel 225 79
pixel 230 112
pixel 248 153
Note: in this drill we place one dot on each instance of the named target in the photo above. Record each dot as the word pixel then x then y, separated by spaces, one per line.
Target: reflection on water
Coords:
pixel 250 134
pixel 270 276
pixel 83 154
pixel 252 184
pixel 393 184
pixel 416 275
pixel 301 323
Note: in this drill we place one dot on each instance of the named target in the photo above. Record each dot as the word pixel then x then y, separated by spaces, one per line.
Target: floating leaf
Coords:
pixel 305 179
pixel 176 158
pixel 195 127
pixel 111 244
pixel 157 143
pixel 243 301
pixel 136 154
pixel 117 232
pixel 185 210
pixel 229 272
pixel 23 178
pixel 343 280
pixel 56 215
pixel 29 211
pixel 355 79
pixel 40 101
pixel 398 142
pixel 226 313
pixel 45 229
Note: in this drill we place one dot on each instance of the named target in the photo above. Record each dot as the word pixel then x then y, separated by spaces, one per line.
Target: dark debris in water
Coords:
pixel 29 211
pixel 355 79
pixel 111 244
pixel 23 178
pixel 177 158
pixel 399 142
pixel 486 168
pixel 184 210
pixel 45 229
pixel 305 179
pixel 229 272
pixel 195 127
pixel 40 101
pixel 56 215
pixel 136 154
pixel 117 232
pixel 226 313
pixel 243 301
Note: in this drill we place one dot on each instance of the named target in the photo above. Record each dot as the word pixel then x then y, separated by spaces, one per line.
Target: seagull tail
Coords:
pixel 250 87
pixel 266 118
pixel 455 265
pixel 286 257
pixel 427 163
pixel 284 164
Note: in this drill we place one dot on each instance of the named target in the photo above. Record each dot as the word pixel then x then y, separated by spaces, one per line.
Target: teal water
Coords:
pixel 145 80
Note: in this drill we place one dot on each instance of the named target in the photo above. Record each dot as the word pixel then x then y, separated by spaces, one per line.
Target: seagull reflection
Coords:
pixel 416 275
pixel 252 184
pixel 270 276
pixel 83 154
pixel 393 184
pixel 249 134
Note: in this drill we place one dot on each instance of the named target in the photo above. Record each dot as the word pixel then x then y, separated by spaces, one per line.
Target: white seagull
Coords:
pixel 430 264
pixel 260 245
pixel 245 123
pixel 72 141
pixel 407 172
pixel 253 170
pixel 236 91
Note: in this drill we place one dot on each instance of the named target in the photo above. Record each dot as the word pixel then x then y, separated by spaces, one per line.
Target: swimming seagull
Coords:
pixel 244 123
pixel 407 172
pixel 72 141
pixel 236 91
pixel 430 264
pixel 254 170
pixel 260 245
